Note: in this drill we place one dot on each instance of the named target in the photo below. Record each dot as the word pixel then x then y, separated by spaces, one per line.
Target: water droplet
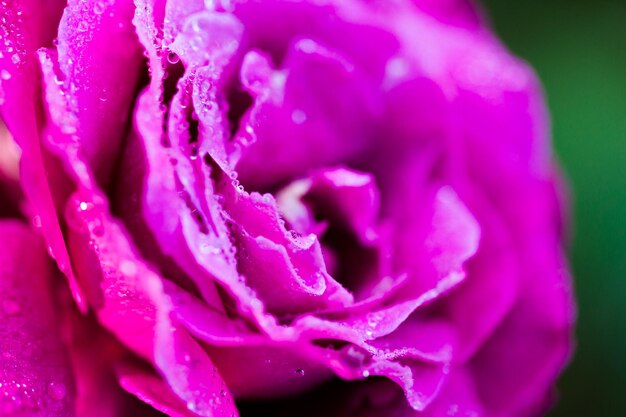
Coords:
pixel 307 46
pixel 57 390
pixel 372 320
pixel 128 268
pixel 207 249
pixel 396 68
pixel 68 129
pixel 99 7
pixel 223 393
pixel 173 58
pixel 97 229
pixel 83 26
pixel 84 206
pixel 300 372
pixel 191 405
pixel 366 373
pixel 5 74
pixel 15 58
pixel 37 221
pixel 298 117
pixel 193 152
pixel 11 307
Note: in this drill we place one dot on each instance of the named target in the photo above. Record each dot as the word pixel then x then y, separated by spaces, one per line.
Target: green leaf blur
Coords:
pixel 578 49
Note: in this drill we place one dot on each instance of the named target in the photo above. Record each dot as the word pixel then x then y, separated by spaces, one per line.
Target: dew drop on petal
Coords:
pixel 173 58
pixel 37 221
pixel 128 267
pixel 298 117
pixel 57 390
pixel 99 7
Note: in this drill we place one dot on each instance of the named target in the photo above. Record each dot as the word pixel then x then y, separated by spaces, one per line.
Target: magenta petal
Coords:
pixel 292 368
pixel 152 390
pixel 99 61
pixel 351 196
pixel 98 393
pixel 458 397
pixel 532 343
pixel 456 12
pixel 111 272
pixel 301 106
pixel 35 373
pixel 480 304
pixel 19 107
pixel 128 299
pixel 187 368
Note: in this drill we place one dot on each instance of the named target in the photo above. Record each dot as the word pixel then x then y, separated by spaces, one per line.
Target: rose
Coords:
pixel 276 197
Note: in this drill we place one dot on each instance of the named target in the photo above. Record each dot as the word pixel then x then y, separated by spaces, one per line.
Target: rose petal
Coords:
pixel 19 106
pixel 302 109
pixel 99 65
pixel 133 307
pixel 152 390
pixel 35 373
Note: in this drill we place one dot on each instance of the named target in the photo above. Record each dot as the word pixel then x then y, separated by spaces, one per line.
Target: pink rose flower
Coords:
pixel 275 207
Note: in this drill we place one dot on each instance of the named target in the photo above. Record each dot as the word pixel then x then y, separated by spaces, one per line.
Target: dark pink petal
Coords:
pixel 98 393
pixel 20 112
pixel 152 390
pixel 185 365
pixel 128 300
pixel 11 193
pixel 351 199
pixel 99 61
pixel 458 397
pixel 271 370
pixel 35 373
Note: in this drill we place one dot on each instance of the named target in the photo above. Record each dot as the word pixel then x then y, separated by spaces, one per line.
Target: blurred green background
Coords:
pixel 578 49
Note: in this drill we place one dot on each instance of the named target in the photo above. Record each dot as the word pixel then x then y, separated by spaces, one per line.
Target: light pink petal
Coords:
pixel 300 105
